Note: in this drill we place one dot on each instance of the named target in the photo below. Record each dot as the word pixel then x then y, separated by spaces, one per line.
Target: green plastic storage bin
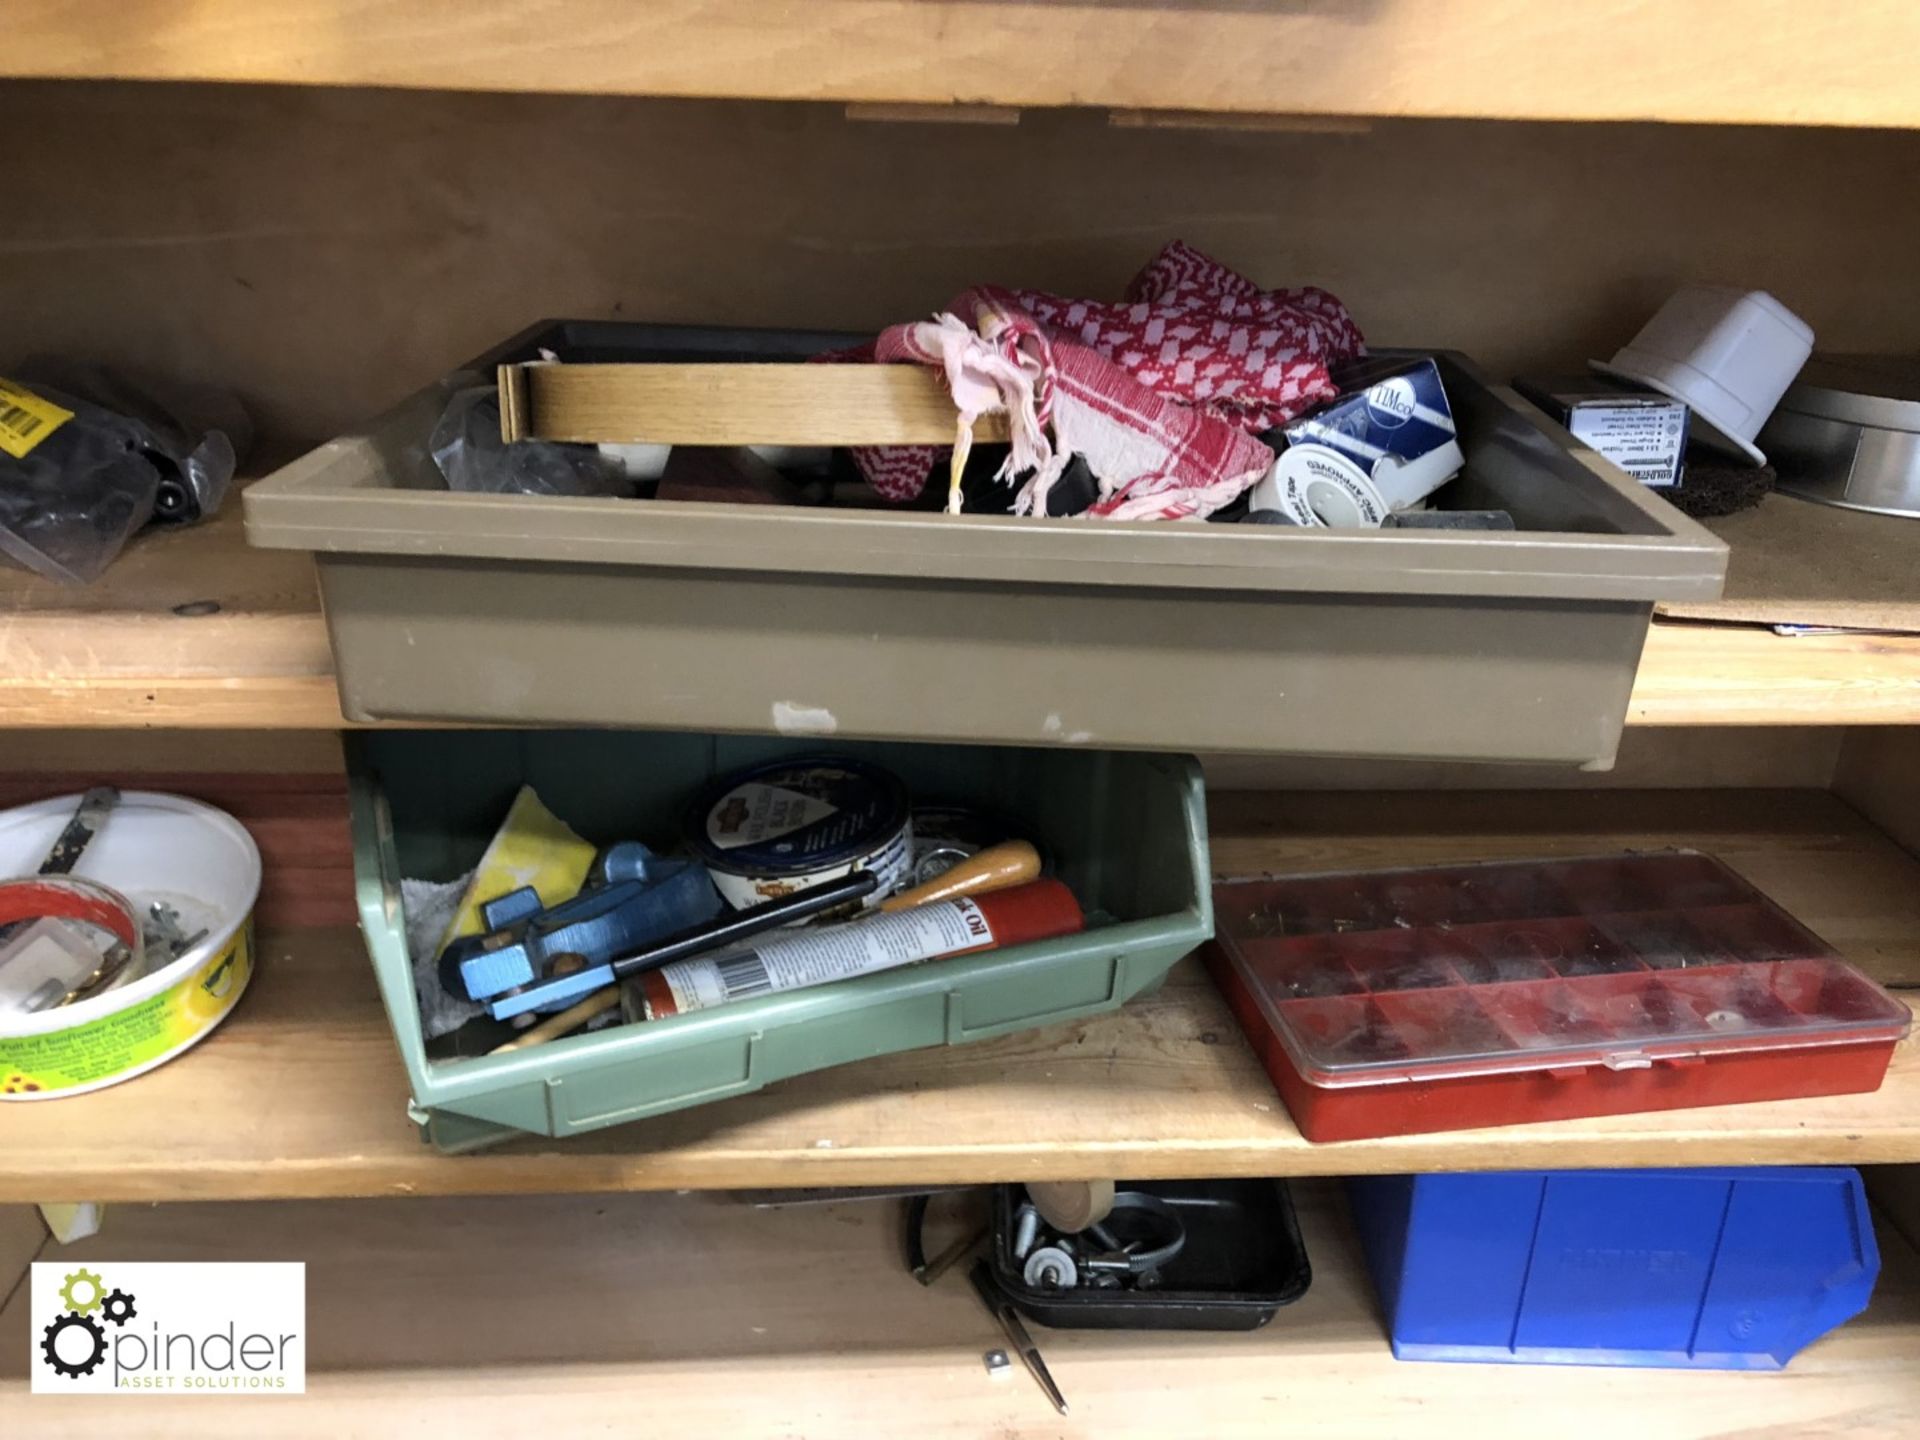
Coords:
pixel 1127 831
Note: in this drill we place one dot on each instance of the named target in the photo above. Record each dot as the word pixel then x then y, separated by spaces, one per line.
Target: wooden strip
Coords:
pixel 308 702
pixel 515 419
pixel 1166 1087
pixel 896 114
pixel 735 405
pixel 800 1322
pixel 1695 674
pixel 161 752
pixel 1261 124
pixel 1797 64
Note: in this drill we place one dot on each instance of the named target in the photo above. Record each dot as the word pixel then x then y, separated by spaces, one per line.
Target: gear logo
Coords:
pixel 134 1327
pixel 76 1342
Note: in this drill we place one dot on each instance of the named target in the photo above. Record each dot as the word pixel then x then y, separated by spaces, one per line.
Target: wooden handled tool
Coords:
pixel 565 1023
pixel 999 867
pixel 1070 1206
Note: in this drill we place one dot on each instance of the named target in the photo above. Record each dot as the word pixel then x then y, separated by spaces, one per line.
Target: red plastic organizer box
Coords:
pixel 1397 1002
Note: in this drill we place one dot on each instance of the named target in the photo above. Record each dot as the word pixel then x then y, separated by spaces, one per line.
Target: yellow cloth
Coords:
pixel 532 847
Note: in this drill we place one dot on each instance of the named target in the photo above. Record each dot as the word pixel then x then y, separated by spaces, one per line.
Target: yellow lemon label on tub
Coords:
pixel 26 419
pixel 137 1037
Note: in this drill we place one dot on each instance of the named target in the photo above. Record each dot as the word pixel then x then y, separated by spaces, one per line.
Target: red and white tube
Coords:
pixel 798 959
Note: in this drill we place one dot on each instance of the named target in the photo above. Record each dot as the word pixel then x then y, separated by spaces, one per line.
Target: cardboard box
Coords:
pixel 1643 433
pixel 1385 444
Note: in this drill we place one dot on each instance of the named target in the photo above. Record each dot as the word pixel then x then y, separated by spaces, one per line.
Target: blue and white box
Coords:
pixel 1385 444
pixel 1644 433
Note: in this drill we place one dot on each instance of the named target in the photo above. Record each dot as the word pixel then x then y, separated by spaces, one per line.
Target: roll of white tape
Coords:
pixel 1318 486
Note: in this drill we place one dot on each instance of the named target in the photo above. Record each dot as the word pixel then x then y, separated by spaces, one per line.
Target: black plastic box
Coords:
pixel 1242 1261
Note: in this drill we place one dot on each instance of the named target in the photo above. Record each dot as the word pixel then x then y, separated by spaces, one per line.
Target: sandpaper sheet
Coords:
pixel 1798 563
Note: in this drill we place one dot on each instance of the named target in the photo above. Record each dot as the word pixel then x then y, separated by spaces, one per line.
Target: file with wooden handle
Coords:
pixel 998 867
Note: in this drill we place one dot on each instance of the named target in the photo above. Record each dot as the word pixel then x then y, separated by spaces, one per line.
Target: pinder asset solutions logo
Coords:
pixel 133 1329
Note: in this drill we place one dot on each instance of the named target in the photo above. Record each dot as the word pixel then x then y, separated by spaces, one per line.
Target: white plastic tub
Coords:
pixel 150 848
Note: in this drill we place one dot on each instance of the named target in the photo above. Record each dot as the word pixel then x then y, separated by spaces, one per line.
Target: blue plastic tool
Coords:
pixel 641 898
pixel 707 935
pixel 1729 1269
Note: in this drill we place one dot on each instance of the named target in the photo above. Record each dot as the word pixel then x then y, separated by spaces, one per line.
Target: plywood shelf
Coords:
pixel 301 1094
pixel 570 1315
pixel 1732 674
pixel 1500 59
pixel 140 647
pixel 1793 563
pixel 188 627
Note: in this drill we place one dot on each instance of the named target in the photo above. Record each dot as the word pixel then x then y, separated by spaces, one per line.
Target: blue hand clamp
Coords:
pixel 639 898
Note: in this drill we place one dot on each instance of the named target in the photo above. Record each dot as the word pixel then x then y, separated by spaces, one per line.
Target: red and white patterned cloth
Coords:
pixel 1161 393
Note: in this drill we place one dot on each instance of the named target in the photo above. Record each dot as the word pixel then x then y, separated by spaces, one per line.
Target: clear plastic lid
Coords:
pixel 1393 975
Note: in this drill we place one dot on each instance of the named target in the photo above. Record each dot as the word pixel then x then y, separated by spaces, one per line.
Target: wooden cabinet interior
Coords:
pixel 1165 1087
pixel 698 1315
pixel 327 251
pixel 324 252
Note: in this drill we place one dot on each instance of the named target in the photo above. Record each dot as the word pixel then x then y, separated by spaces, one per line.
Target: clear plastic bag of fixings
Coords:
pixel 100 456
pixel 71 500
pixel 196 435
pixel 469 452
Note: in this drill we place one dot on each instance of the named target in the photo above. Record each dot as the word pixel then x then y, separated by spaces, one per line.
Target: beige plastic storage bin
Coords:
pixel 990 629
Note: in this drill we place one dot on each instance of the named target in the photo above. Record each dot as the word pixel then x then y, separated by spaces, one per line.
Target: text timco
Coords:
pixel 1496 994
pixel 1390 431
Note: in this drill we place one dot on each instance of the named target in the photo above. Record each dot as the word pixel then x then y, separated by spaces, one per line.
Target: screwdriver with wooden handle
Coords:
pixel 998 867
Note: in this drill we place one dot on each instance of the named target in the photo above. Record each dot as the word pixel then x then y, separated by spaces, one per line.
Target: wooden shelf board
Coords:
pixel 120 653
pixel 1712 674
pixel 1719 662
pixel 301 1094
pixel 1500 59
pixel 466 1316
pixel 116 654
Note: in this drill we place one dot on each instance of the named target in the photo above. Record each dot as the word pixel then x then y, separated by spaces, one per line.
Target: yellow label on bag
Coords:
pixel 26 419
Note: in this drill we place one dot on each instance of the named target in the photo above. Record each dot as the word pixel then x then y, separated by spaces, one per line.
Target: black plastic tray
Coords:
pixel 1242 1261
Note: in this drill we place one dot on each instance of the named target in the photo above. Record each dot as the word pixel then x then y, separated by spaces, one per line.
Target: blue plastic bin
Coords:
pixel 1694 1269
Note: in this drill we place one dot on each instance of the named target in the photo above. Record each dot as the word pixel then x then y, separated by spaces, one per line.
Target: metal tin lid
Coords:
pixel 1878 390
pixel 796 815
